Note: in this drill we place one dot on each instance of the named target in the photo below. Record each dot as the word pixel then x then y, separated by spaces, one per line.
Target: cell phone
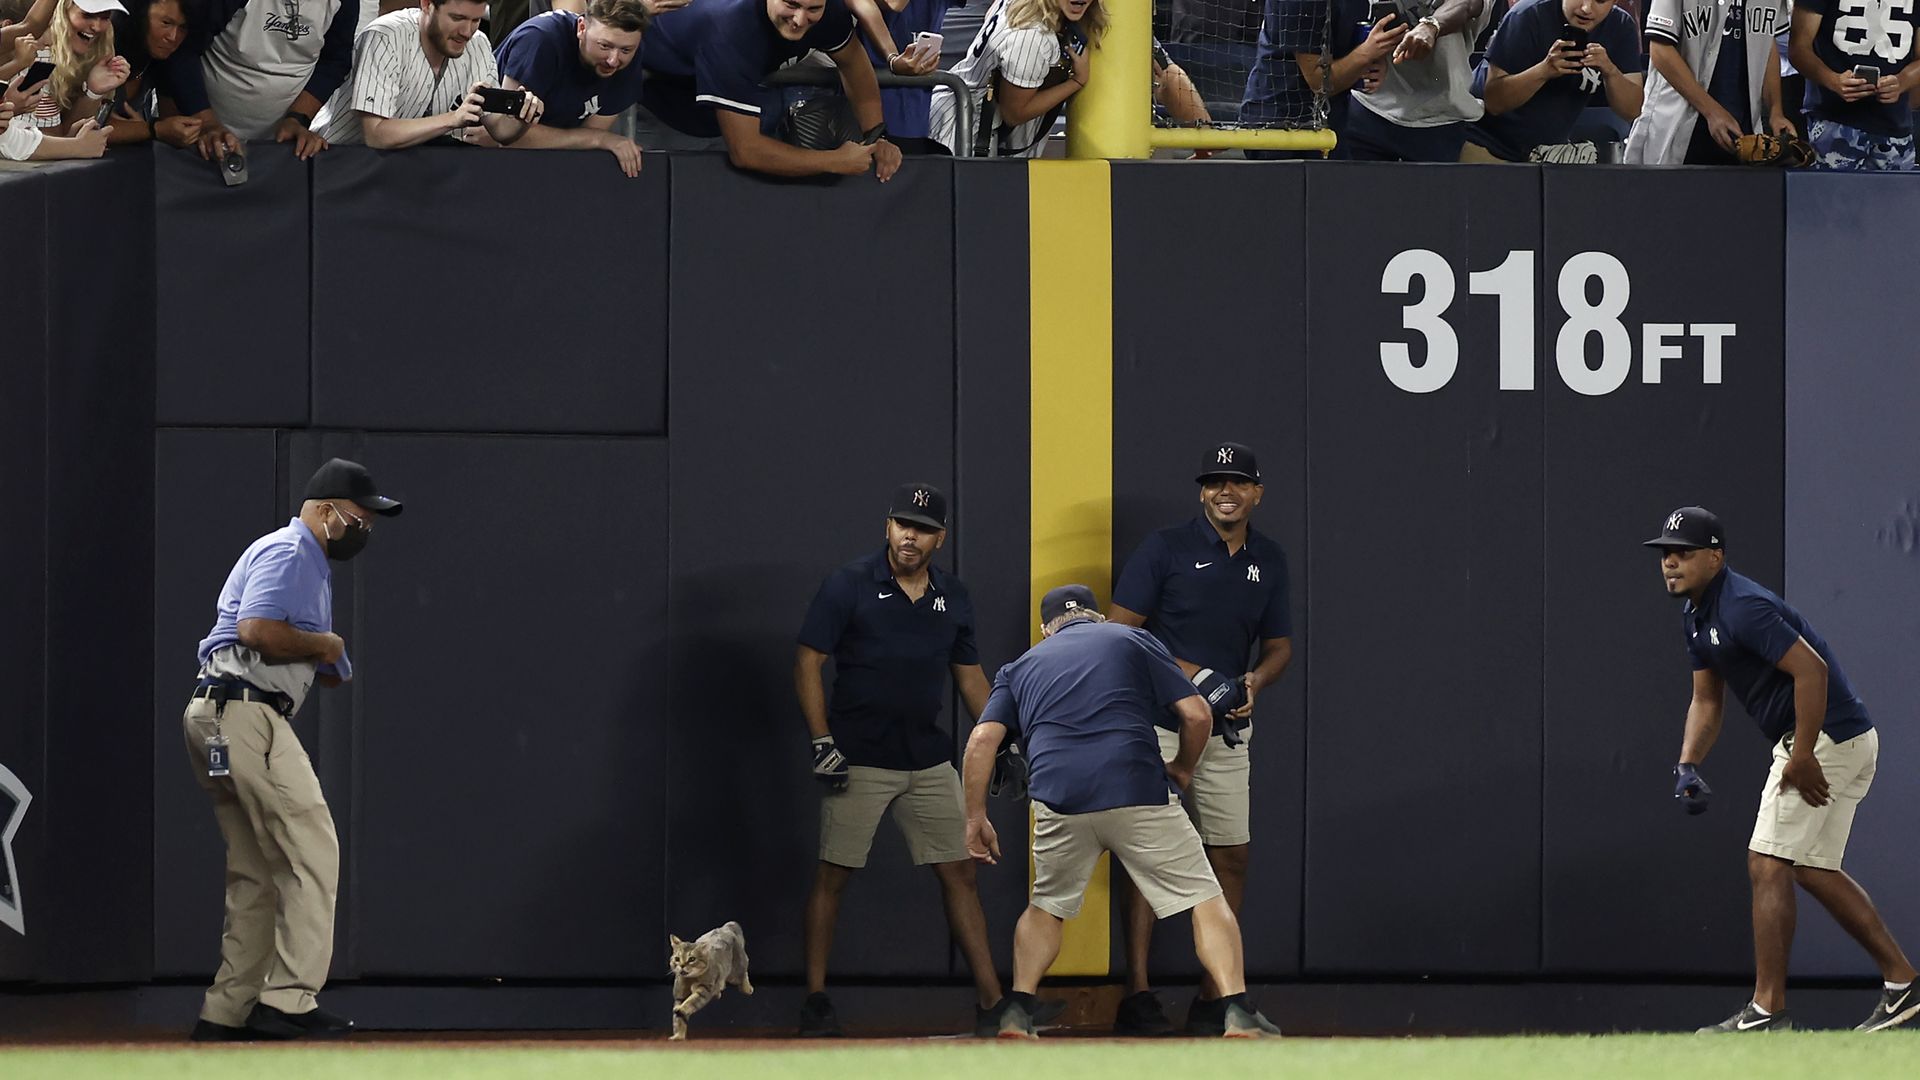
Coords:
pixel 106 112
pixel 39 72
pixel 929 42
pixel 1572 33
pixel 1380 9
pixel 493 99
pixel 1866 71
pixel 233 170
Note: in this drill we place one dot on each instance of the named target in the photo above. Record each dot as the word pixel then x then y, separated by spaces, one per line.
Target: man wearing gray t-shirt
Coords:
pixel 1423 104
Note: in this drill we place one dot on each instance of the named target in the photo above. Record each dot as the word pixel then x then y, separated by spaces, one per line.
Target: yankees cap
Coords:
pixel 922 504
pixel 343 479
pixel 1690 527
pixel 1230 459
pixel 1067 599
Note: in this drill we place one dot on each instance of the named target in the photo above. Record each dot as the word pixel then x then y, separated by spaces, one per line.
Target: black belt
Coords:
pixel 221 691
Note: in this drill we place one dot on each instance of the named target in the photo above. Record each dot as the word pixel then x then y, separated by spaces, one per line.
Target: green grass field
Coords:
pixel 1796 1056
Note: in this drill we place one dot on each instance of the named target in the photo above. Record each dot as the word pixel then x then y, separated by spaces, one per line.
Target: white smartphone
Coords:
pixel 928 43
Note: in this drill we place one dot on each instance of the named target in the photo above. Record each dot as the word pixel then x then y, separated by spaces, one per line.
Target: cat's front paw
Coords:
pixel 679 1027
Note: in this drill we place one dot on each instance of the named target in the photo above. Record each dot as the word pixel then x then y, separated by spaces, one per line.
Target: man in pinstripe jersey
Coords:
pixel 415 73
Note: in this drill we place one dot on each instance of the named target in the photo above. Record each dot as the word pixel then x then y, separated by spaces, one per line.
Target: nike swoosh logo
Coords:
pixel 1745 1026
pixel 884 595
pixel 1201 565
pixel 1895 1006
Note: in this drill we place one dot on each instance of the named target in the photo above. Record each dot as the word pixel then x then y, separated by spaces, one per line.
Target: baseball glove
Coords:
pixel 1793 153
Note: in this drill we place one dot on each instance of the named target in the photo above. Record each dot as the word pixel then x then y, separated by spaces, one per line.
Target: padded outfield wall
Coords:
pixel 636 422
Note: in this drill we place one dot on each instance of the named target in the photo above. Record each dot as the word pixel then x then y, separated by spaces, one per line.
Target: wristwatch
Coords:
pixel 1429 20
pixel 873 134
pixel 294 114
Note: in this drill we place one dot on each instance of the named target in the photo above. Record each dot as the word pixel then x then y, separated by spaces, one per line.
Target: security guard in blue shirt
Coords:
pixel 1825 753
pixel 272 639
pixel 1210 590
pixel 894 627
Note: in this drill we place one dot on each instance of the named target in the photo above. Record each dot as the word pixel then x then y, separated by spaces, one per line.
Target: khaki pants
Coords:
pixel 283 862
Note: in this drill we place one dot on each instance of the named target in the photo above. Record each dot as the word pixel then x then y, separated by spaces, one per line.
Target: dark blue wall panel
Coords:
pixel 502 292
pixel 1423 731
pixel 807 382
pixel 1853 512
pixel 1632 884
pixel 230 276
pixel 1221 371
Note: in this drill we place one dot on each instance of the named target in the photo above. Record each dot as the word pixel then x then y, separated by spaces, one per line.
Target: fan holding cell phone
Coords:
pixel 1548 61
pixel 1859 60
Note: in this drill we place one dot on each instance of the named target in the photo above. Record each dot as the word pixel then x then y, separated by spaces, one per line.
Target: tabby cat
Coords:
pixel 702 969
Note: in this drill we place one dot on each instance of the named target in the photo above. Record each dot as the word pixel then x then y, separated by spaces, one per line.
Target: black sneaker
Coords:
pixel 817 1018
pixel 986 1022
pixel 1750 1018
pixel 1141 1016
pixel 268 1022
pixel 1207 1019
pixel 1239 1022
pixel 208 1031
pixel 1896 1007
pixel 1015 1021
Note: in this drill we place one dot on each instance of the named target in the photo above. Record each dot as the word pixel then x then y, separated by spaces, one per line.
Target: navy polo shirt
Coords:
pixel 543 55
pixel 1084 703
pixel 1740 630
pixel 714 54
pixel 1207 607
pixel 890 660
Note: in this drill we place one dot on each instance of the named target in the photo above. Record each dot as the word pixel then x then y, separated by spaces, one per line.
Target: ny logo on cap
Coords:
pixel 1673 523
pixel 919 496
pixel 1226 455
pixel 1253 574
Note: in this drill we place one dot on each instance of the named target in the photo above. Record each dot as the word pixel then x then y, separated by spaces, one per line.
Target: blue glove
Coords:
pixel 1223 696
pixel 1009 772
pixel 1690 789
pixel 829 764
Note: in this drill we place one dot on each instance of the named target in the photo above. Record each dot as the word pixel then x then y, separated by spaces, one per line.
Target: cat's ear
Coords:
pixel 674 939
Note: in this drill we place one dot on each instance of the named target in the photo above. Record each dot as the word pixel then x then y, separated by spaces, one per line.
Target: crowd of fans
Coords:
pixel 1397 80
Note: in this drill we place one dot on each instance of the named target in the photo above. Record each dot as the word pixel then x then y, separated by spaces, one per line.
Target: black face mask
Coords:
pixel 352 541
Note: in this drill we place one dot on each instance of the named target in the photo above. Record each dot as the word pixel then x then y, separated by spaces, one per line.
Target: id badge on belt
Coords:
pixel 217 759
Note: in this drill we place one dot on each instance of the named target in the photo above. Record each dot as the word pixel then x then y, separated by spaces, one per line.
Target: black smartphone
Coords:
pixel 495 100
pixel 1380 9
pixel 1868 72
pixel 101 117
pixel 1572 33
pixel 38 73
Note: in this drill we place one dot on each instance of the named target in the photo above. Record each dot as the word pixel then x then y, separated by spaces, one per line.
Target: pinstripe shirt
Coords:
pixel 1022 56
pixel 392 79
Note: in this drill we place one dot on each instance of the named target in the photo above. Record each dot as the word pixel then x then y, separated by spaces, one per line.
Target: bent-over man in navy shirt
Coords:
pixel 1825 751
pixel 894 627
pixel 705 64
pixel 272 639
pixel 1210 590
pixel 1084 703
pixel 581 67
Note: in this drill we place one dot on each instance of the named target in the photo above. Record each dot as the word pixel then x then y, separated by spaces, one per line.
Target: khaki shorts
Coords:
pixel 1156 844
pixel 1816 836
pixel 1218 798
pixel 926 806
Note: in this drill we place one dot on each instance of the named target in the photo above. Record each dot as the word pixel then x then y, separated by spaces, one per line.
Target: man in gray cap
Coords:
pixel 1825 749
pixel 272 639
pixel 1083 703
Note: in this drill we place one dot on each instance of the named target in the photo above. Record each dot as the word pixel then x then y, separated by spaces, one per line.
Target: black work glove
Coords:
pixel 1690 789
pixel 829 764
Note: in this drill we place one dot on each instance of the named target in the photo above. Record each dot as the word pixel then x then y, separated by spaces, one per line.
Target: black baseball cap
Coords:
pixel 1230 459
pixel 343 479
pixel 922 504
pixel 1690 527
pixel 1066 599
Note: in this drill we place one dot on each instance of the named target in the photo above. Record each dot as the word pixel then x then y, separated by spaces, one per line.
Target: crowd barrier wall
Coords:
pixel 636 422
